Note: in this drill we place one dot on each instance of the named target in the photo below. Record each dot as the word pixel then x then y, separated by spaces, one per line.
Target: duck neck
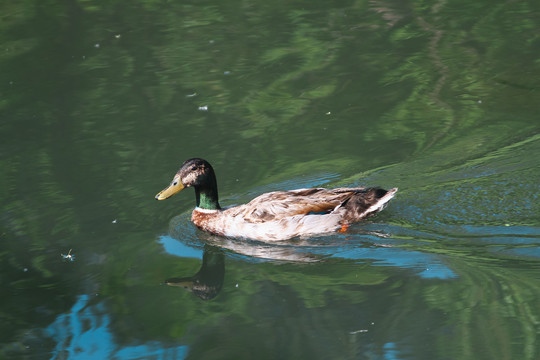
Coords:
pixel 207 196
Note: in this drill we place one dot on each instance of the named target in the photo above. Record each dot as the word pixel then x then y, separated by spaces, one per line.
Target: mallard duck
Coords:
pixel 278 215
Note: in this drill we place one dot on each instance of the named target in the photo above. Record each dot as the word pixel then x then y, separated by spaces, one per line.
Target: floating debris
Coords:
pixel 117 36
pixel 203 108
pixel 226 73
pixel 191 95
pixel 96 46
pixel 68 256
pixel 114 221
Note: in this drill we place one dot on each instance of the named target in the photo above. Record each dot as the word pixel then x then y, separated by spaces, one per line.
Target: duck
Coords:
pixel 277 215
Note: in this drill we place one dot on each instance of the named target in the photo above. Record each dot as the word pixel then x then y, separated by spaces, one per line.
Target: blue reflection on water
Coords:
pixel 427 265
pixel 83 333
pixel 178 248
pixel 390 352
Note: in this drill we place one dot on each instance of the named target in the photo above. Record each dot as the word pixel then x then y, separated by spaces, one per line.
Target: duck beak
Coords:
pixel 169 191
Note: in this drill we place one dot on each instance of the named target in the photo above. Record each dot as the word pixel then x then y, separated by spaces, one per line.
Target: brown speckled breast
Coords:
pixel 205 221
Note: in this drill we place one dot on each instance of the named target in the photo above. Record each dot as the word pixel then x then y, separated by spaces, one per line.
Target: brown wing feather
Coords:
pixel 282 204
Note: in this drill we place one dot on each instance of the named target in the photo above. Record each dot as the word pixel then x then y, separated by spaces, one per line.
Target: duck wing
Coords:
pixel 277 205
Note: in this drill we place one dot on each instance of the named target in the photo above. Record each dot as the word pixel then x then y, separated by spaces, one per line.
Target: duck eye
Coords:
pixel 175 183
pixel 193 168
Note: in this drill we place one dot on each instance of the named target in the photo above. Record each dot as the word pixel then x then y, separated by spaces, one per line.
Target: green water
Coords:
pixel 101 103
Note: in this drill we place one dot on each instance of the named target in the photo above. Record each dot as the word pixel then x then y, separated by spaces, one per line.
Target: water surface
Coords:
pixel 101 103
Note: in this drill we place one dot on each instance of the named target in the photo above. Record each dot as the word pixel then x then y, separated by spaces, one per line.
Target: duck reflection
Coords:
pixel 253 249
pixel 207 282
pixel 288 250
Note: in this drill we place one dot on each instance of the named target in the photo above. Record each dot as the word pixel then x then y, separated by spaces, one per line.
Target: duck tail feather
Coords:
pixel 366 203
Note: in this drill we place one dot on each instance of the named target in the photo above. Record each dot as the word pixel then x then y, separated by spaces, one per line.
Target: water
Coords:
pixel 101 103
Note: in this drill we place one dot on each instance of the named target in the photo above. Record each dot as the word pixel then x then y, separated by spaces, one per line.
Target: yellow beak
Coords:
pixel 169 191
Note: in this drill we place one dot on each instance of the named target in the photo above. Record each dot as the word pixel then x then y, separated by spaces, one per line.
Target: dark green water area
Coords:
pixel 101 102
